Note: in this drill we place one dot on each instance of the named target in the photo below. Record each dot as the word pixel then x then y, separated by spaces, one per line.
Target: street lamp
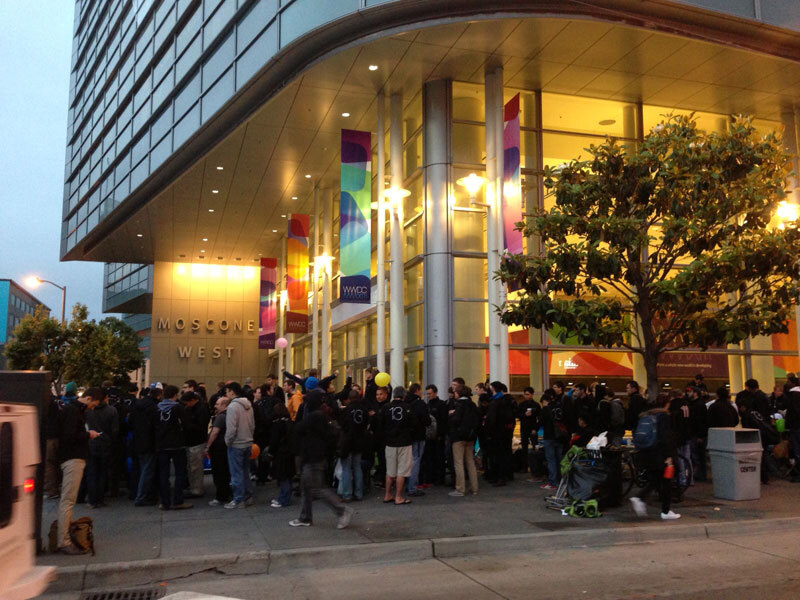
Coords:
pixel 473 184
pixel 787 212
pixel 34 281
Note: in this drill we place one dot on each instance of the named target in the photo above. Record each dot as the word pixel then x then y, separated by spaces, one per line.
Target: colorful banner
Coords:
pixel 512 189
pixel 297 274
pixel 267 304
pixel 355 217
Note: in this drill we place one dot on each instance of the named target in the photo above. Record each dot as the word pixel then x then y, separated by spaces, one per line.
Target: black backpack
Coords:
pixel 470 421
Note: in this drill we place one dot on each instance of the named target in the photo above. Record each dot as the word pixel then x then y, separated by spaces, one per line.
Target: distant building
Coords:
pixel 15 304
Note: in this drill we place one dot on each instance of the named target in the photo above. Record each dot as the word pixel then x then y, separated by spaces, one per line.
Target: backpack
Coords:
pixel 470 422
pixel 617 414
pixel 645 436
pixel 430 430
pixel 81 534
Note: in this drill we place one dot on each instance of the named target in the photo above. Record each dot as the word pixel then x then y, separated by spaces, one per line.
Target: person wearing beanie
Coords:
pixel 722 412
pixel 306 384
pixel 397 425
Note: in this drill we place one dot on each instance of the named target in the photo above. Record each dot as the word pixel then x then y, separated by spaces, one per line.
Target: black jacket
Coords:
pixel 397 423
pixel 438 408
pixel 722 413
pixel 142 421
pixel 314 435
pixel 423 418
pixel 793 408
pixel 370 390
pixel 500 419
pixel 73 438
pixel 698 415
pixel 528 424
pixel 636 406
pixel 680 421
pixel 104 420
pixel 354 421
pixel 753 400
pixel 464 422
pixel 169 426
pixel 280 447
pixel 195 425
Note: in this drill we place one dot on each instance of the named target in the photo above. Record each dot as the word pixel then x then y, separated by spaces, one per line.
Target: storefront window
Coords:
pixel 413 289
pixel 415 326
pixel 471 364
pixel 460 195
pixel 469 143
pixel 706 122
pixel 588 115
pixel 470 322
pixel 415 367
pixel 470 277
pixel 469 231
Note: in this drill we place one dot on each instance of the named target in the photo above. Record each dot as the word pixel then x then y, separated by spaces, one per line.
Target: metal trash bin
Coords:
pixel 735 462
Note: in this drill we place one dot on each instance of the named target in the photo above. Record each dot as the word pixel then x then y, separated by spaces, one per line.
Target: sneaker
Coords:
pixel 670 516
pixel 456 494
pixel 346 517
pixel 639 507
pixel 234 504
pixel 183 506
pixel 547 486
pixel 299 523
pixel 71 549
pixel 215 502
pixel 475 493
pixel 276 504
pixel 162 507
pixel 250 501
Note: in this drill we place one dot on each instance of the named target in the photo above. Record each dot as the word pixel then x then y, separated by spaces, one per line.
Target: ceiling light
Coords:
pixel 283 216
pixel 308 176
pixel 274 231
pixel 205 239
pixel 219 167
pixel 260 254
pixel 238 258
pixel 215 191
pixel 373 67
pixel 138 235
pixel 181 256
pixel 294 197
pixel 219 258
pixel 210 210
pixel 202 250
pixel 345 114
pixel 201 256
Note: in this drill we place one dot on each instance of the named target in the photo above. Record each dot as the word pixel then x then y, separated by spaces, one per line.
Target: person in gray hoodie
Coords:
pixel 239 427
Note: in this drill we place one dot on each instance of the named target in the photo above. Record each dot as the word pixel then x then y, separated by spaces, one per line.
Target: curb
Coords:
pixel 145 572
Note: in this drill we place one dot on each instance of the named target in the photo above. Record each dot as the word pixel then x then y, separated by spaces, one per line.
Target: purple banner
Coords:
pixel 267 306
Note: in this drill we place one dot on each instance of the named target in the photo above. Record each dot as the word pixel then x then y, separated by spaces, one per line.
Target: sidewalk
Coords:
pixel 124 533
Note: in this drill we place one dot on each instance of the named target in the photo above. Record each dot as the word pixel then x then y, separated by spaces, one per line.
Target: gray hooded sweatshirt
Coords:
pixel 239 424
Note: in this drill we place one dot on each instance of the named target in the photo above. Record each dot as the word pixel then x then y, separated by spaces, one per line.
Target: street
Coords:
pixel 755 566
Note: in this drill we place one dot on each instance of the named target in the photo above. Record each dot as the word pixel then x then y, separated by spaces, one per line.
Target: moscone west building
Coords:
pixel 197 128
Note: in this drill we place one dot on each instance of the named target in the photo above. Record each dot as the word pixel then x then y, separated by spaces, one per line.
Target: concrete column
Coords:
pixel 380 313
pixel 438 261
pixel 502 293
pixel 327 248
pixel 397 235
pixel 315 285
pixel 490 91
pixel 736 369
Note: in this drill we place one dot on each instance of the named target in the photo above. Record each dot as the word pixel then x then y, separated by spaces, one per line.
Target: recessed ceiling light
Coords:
pixel 294 197
pixel 215 191
pixel 181 256
pixel 205 239
pixel 238 258
pixel 210 210
pixel 308 176
pixel 335 235
pixel 283 216
pixel 274 231
pixel 202 250
pixel 138 235
pixel 201 256
pixel 219 258
pixel 260 254
pixel 373 67
pixel 345 114
pixel 219 167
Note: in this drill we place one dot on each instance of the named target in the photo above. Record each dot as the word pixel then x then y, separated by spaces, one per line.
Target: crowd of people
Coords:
pixel 315 440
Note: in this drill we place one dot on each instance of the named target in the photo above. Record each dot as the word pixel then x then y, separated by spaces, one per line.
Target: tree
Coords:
pixel 670 245
pixel 39 342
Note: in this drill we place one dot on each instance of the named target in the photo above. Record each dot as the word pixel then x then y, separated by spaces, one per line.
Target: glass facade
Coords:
pixel 126 283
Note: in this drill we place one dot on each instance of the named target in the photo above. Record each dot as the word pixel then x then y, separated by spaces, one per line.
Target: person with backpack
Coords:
pixel 421 421
pixel 239 428
pixel 722 412
pixel 315 437
pixel 353 422
pixel 682 434
pixel 554 438
pixel 611 417
pixel 637 404
pixel 171 448
pixel 500 422
pixel 73 448
pixel 217 453
pixel 463 423
pixel 653 439
pixel 753 407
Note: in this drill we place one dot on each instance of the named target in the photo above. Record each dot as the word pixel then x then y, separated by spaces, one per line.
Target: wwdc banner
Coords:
pixel 512 189
pixel 297 274
pixel 355 217
pixel 267 308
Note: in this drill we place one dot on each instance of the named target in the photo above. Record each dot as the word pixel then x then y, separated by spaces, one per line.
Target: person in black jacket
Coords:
pixel 793 420
pixel 721 412
pixel 500 422
pixel 171 449
pixel 434 459
pixel 378 448
pixel 422 419
pixel 315 437
pixel 370 387
pixel 195 430
pixel 353 421
pixel 142 421
pixel 656 460
pixel 280 449
pixel 554 437
pixel 463 424
pixel 73 448
pixel 263 405
pixel 217 453
pixel 104 420
pixel 698 415
pixel 528 414
pixel 397 423
pixel 636 405
pixel 753 406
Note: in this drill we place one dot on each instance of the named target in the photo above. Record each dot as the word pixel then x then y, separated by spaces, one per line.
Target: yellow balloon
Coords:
pixel 382 379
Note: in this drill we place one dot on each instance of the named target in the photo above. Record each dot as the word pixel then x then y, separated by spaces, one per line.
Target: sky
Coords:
pixel 35 53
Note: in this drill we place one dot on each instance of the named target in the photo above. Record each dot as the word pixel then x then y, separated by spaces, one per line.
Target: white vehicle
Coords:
pixel 20 578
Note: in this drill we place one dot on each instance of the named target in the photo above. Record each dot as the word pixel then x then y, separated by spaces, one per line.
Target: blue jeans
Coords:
pixel 698 451
pixel 147 469
pixel 285 492
pixel 178 458
pixel 417 450
pixel 239 464
pixel 351 474
pixel 553 453
pixel 685 469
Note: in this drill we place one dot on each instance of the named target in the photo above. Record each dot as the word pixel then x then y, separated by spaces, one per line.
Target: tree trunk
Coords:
pixel 651 368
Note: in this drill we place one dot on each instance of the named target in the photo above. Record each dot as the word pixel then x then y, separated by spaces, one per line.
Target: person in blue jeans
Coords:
pixel 240 425
pixel 552 434
pixel 280 448
pixel 171 449
pixel 423 418
pixel 355 442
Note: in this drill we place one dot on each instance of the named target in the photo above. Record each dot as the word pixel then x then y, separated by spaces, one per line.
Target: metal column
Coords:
pixel 380 314
pixel 437 269
pixel 396 303
pixel 500 288
pixel 327 249
pixel 315 286
pixel 491 228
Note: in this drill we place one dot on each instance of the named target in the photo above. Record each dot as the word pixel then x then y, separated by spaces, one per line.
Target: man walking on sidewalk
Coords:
pixel 315 438
pixel 240 424
pixel 73 445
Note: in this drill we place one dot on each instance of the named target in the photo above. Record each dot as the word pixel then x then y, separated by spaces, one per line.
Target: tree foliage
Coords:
pixel 677 235
pixel 84 351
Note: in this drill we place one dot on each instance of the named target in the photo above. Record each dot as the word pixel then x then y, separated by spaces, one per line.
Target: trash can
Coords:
pixel 735 462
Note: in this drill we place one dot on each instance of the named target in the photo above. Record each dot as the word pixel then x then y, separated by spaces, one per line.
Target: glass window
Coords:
pixel 188 59
pixel 588 115
pixel 706 122
pixel 415 367
pixel 469 231
pixel 218 95
pixel 161 152
pixel 187 96
pixel 559 149
pixel 217 23
pixel 468 102
pixel 218 61
pixel 469 143
pixel 256 55
pixel 414 285
pixel 471 364
pixel 297 19
pixel 253 22
pixel 415 326
pixel 461 196
pixel 469 275
pixel 471 322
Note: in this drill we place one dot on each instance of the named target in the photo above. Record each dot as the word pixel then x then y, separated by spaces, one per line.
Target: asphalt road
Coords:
pixel 751 567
